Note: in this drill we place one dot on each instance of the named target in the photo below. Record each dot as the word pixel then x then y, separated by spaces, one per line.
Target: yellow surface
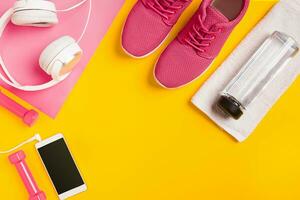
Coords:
pixel 135 141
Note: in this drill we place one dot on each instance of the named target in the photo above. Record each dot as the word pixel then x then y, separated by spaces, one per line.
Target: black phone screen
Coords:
pixel 60 166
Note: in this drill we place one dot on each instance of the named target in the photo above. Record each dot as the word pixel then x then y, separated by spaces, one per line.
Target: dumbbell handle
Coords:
pixel 28 116
pixel 18 159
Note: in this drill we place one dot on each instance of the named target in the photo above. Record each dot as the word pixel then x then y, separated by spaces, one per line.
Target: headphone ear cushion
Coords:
pixel 63 50
pixel 39 18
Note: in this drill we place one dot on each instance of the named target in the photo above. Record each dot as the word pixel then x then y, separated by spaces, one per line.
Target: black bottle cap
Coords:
pixel 230 106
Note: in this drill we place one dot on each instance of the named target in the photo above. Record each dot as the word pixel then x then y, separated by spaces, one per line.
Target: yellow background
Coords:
pixel 133 140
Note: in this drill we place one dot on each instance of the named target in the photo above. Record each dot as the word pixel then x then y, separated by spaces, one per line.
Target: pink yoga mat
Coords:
pixel 21 48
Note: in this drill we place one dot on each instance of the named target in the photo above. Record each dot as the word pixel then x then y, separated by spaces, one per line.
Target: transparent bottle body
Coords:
pixel 270 59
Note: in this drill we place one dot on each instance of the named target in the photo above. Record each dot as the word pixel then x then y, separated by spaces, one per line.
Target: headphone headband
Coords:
pixel 5 19
pixel 13 83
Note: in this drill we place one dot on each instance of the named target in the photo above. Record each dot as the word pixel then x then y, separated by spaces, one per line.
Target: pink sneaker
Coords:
pixel 149 23
pixel 200 41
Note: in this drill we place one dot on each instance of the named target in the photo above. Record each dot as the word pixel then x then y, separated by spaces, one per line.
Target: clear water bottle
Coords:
pixel 269 60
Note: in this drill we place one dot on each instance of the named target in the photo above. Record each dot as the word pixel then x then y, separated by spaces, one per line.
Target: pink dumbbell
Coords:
pixel 29 116
pixel 18 159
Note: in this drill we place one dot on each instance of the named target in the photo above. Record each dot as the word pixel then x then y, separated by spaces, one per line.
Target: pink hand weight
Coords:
pixel 29 116
pixel 18 159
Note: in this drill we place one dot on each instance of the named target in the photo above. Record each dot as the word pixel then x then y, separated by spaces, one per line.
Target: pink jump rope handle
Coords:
pixel 18 159
pixel 29 116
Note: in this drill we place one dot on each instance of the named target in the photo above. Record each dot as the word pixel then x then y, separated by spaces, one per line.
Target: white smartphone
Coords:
pixel 61 166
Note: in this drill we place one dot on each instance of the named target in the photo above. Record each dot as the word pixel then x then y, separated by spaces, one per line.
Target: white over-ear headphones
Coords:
pixel 60 57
